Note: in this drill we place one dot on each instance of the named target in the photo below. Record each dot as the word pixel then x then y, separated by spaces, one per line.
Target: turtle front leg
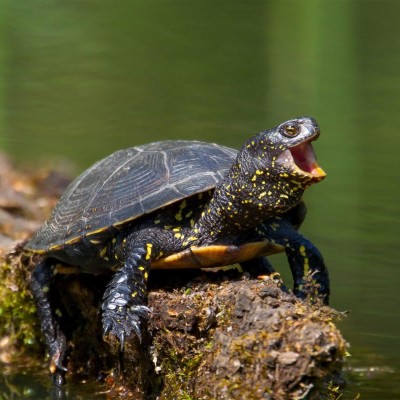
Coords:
pixel 125 299
pixel 41 280
pixel 303 256
pixel 305 259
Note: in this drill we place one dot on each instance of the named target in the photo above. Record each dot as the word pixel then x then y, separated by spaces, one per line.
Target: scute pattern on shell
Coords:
pixel 130 183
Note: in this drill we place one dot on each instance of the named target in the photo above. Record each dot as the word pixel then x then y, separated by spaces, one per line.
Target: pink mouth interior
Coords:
pixel 304 157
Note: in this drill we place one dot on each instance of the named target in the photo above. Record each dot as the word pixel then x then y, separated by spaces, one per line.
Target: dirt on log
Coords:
pixel 211 335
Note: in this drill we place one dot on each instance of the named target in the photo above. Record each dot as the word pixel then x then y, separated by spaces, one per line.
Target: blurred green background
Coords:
pixel 80 79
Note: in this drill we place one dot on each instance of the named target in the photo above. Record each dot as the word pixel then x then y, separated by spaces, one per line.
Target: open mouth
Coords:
pixel 302 160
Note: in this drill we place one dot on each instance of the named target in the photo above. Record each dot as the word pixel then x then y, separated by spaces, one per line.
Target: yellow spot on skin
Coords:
pixel 306 266
pixel 157 221
pixel 56 269
pixel 146 275
pixel 148 249
pixel 134 294
pixel 302 250
pixel 262 195
pixel 274 226
pixel 259 172
pixel 141 268
pixel 103 252
pixel 178 215
pixel 178 235
pixel 183 204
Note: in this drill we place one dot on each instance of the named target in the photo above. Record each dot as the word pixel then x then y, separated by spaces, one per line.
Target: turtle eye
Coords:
pixel 290 130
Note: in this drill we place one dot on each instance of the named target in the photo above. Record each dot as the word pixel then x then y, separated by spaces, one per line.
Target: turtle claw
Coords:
pixel 122 340
pixel 107 325
pixel 57 369
pixel 54 367
pixel 125 322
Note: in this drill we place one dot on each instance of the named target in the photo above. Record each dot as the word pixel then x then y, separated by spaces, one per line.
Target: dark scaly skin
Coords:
pixel 244 207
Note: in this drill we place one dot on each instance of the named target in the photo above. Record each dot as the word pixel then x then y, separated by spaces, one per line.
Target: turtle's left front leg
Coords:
pixel 125 299
pixel 303 256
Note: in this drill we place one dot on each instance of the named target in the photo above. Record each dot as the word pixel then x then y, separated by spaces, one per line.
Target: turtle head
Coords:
pixel 286 152
pixel 268 178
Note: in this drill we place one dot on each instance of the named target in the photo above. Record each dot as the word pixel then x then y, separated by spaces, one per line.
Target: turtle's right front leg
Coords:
pixel 41 281
pixel 125 299
pixel 125 311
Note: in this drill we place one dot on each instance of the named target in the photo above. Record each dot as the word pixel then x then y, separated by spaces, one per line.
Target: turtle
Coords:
pixel 177 204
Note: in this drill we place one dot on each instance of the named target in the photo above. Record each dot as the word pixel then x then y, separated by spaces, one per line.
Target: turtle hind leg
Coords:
pixel 41 281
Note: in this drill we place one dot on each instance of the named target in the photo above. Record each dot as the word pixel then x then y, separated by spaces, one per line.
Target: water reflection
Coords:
pixel 24 383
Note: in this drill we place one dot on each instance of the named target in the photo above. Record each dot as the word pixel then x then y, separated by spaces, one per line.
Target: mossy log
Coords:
pixel 211 335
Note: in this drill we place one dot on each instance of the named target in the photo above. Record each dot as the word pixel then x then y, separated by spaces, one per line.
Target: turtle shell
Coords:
pixel 129 184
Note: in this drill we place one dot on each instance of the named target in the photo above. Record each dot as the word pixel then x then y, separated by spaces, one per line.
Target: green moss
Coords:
pixel 18 320
pixel 179 369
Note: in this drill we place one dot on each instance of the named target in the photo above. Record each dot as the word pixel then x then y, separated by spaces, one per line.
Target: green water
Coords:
pixel 80 79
